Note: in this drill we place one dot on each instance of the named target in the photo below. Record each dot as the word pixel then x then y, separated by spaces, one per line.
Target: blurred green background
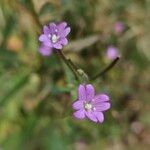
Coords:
pixel 36 92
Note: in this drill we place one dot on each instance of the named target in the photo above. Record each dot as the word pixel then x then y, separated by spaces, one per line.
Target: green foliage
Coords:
pixel 36 93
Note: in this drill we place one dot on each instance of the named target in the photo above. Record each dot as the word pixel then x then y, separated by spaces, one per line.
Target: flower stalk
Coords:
pixel 69 63
pixel 105 70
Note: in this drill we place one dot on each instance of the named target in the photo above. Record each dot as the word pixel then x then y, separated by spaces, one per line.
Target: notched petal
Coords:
pixel 90 92
pixel 62 26
pixel 57 46
pixel 101 98
pixel 46 30
pixel 99 116
pixel 45 50
pixel 103 106
pixel 64 41
pixel 91 116
pixel 65 32
pixel 42 38
pixel 79 114
pixel 81 92
pixel 78 105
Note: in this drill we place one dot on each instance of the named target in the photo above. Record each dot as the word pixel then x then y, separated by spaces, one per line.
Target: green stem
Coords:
pixel 67 62
pixel 34 14
pixel 105 70
pixel 73 65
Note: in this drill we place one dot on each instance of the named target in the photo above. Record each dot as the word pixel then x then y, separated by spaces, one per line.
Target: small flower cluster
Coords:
pixel 112 52
pixel 88 105
pixel 119 27
pixel 54 36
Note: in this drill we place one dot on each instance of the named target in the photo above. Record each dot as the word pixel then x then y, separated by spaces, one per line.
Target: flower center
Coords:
pixel 88 106
pixel 54 38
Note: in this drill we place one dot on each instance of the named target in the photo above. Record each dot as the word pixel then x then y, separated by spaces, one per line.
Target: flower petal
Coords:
pixel 64 41
pixel 102 107
pixel 62 26
pixel 48 43
pixel 52 25
pixel 52 28
pixel 57 46
pixel 99 116
pixel 46 30
pixel 78 105
pixel 80 114
pixel 112 52
pixel 45 50
pixel 100 98
pixel 65 32
pixel 81 92
pixel 91 116
pixel 90 92
pixel 43 38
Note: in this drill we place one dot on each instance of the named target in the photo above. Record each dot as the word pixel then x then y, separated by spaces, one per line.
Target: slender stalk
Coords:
pixel 105 70
pixel 34 14
pixel 67 62
pixel 31 11
pixel 73 65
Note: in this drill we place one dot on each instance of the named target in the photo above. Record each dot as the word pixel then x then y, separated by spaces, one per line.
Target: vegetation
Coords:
pixel 36 92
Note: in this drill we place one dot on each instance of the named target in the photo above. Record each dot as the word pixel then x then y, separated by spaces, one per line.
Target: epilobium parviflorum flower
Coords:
pixel 112 52
pixel 89 105
pixel 53 36
pixel 119 27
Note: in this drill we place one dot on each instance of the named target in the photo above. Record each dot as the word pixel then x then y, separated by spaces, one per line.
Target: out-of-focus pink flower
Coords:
pixel 53 36
pixel 119 27
pixel 112 52
pixel 45 50
pixel 89 105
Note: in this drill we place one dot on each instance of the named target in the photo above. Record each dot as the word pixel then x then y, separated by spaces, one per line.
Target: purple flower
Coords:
pixel 54 36
pixel 89 105
pixel 45 50
pixel 112 52
pixel 119 27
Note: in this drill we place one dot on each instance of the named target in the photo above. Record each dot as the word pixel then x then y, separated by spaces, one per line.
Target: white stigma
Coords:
pixel 54 38
pixel 88 106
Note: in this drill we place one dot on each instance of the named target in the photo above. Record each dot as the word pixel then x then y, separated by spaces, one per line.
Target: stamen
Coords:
pixel 54 38
pixel 88 106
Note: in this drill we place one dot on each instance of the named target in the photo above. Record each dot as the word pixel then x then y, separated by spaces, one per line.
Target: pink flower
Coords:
pixel 89 105
pixel 53 36
pixel 112 52
pixel 119 27
pixel 45 50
